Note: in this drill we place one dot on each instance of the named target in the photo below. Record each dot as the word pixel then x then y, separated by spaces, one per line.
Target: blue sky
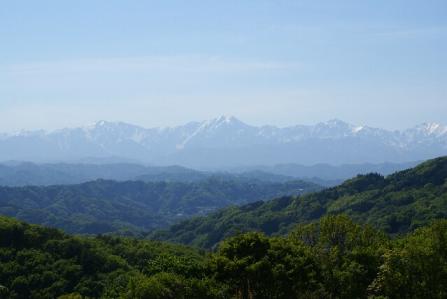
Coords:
pixel 68 63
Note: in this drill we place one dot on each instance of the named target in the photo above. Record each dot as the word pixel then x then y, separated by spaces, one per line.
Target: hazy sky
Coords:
pixel 67 63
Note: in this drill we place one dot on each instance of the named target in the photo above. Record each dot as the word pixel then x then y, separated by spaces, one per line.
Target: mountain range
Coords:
pixel 227 141
pixel 16 173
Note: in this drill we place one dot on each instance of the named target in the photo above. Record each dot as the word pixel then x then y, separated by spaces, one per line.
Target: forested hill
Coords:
pixel 334 258
pixel 39 262
pixel 127 207
pixel 396 204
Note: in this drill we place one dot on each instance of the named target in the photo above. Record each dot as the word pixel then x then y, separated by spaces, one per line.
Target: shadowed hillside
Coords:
pixel 396 204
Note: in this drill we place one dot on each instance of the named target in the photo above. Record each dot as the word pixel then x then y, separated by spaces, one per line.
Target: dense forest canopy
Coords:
pixel 332 258
pixel 396 204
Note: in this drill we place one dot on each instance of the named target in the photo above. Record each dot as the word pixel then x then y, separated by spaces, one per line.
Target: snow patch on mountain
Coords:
pixel 334 141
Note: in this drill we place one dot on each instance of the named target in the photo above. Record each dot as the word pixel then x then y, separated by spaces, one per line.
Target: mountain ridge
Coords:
pixel 228 141
pixel 22 173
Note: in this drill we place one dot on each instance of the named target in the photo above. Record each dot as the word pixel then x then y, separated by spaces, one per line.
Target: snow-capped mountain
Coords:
pixel 227 141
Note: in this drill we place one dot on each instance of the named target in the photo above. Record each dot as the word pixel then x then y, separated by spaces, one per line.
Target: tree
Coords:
pixel 416 267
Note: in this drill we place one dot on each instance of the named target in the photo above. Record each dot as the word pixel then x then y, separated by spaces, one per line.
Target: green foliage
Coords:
pixel 416 266
pixel 333 258
pixel 254 266
pixel 397 204
pixel 348 254
pixel 37 262
pixel 168 285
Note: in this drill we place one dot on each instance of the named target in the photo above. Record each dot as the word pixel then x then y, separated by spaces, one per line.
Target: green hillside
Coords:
pixel 133 206
pixel 396 204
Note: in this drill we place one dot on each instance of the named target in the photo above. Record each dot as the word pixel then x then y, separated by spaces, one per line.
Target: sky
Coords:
pixel 381 63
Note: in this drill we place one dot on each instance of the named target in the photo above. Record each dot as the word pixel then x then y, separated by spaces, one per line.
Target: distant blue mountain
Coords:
pixel 225 142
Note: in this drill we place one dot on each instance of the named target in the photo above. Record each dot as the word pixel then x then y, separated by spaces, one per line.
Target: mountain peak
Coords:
pixel 222 121
pixel 335 122
pixel 430 129
pixel 98 124
pixel 227 119
pixel 101 123
pixel 104 124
